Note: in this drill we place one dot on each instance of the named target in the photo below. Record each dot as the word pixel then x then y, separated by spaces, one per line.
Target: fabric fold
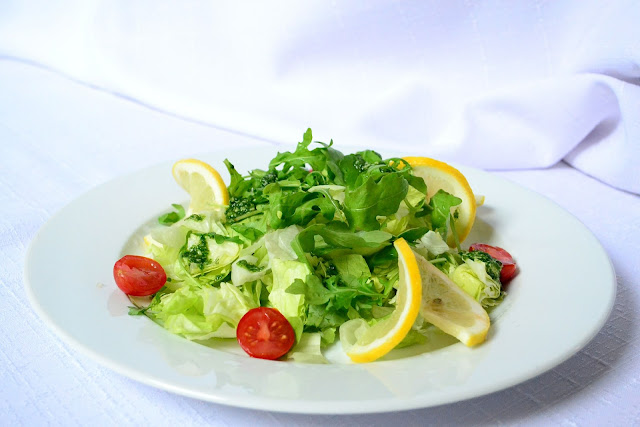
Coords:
pixel 490 84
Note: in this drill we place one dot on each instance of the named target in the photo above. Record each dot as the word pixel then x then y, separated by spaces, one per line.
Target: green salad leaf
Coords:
pixel 199 313
pixel 172 217
pixel 374 198
pixel 441 204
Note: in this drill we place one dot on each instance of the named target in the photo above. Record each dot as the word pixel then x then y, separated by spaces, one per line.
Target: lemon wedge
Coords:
pixel 448 307
pixel 203 183
pixel 439 175
pixel 382 337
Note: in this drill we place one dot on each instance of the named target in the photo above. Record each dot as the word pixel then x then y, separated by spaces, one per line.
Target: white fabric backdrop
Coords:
pixel 494 84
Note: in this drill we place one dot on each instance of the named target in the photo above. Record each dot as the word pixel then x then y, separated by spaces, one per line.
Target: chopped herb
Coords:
pixel 238 208
pixel 197 254
pixel 248 266
pixel 250 233
pixel 172 217
pixel 491 265
pixel 269 178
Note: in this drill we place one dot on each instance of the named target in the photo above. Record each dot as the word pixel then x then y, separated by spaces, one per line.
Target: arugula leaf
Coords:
pixel 298 208
pixel 172 217
pixel 312 289
pixel 441 203
pixel 332 303
pixel 334 157
pixel 220 239
pixel 350 169
pixel 238 185
pixel 370 156
pixel 387 256
pixel 352 265
pixel 247 232
pixel 325 318
pixel 315 178
pixel 356 164
pixel 372 199
pixel 413 234
pixel 301 157
pixel 358 294
pixel 307 137
pixel 312 208
pixel 417 183
pixel 335 236
pixel 418 191
pixel 339 214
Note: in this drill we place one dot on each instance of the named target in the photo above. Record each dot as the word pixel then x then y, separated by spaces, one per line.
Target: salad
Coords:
pixel 316 248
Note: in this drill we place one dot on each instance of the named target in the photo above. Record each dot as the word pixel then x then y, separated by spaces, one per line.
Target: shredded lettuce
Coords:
pixel 434 243
pixel 351 331
pixel 292 306
pixel 473 278
pixel 308 349
pixel 202 313
pixel 246 269
pixel 278 243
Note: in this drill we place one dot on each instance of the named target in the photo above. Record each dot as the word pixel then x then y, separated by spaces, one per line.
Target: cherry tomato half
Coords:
pixel 138 276
pixel 508 264
pixel 265 333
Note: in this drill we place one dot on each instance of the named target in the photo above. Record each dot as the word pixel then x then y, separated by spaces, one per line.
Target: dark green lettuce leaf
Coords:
pixel 374 198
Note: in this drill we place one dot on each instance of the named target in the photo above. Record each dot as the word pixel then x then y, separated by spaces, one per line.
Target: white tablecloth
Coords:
pixel 59 139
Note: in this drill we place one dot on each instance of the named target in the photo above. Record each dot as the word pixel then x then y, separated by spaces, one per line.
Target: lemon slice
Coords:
pixel 448 307
pixel 439 175
pixel 382 337
pixel 203 183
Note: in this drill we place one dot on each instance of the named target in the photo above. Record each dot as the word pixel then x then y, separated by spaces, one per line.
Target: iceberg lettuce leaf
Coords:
pixel 199 313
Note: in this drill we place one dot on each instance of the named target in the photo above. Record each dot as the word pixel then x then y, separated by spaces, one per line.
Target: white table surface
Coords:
pixel 59 139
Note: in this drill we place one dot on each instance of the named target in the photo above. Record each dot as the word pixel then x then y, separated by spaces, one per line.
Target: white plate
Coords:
pixel 557 303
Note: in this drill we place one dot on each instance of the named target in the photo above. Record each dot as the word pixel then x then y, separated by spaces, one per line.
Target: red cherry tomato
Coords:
pixel 508 264
pixel 265 333
pixel 138 276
